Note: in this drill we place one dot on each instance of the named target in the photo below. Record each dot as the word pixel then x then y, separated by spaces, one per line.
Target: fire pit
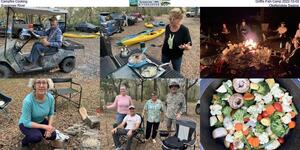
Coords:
pixel 247 54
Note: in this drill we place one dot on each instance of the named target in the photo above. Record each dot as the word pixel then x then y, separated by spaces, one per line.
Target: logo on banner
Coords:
pixel 149 3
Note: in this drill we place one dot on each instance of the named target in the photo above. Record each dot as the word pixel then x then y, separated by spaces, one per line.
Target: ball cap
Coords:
pixel 131 106
pixel 174 83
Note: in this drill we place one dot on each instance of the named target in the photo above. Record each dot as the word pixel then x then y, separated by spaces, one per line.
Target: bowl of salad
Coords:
pixel 250 113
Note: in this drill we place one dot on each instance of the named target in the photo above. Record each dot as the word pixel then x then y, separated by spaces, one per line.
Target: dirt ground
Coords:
pixel 107 121
pixel 66 114
pixel 87 61
pixel 190 62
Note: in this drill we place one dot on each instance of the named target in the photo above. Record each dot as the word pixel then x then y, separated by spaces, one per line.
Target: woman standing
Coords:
pixel 154 110
pixel 36 120
pixel 177 39
pixel 122 102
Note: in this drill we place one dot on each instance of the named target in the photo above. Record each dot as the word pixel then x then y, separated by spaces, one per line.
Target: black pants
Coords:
pixel 151 126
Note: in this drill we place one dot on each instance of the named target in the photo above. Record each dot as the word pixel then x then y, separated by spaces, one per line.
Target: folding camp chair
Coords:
pixel 138 135
pixel 184 137
pixel 67 90
pixel 5 101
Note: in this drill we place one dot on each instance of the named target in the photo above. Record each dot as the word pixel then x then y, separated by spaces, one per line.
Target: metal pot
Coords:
pixel 137 60
pixel 208 88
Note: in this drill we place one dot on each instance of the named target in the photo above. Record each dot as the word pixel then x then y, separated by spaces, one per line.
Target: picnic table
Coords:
pixel 116 67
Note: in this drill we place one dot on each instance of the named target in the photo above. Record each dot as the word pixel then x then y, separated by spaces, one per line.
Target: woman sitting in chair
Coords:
pixel 36 121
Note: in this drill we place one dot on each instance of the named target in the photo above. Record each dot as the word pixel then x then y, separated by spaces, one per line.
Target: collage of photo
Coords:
pixel 91 78
pixel 249 71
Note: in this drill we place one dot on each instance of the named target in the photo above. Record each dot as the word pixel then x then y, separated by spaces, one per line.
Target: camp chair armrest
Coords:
pixel 53 91
pixel 77 84
pixel 190 143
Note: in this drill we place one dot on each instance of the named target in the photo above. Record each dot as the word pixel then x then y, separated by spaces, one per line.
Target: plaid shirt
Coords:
pixel 54 36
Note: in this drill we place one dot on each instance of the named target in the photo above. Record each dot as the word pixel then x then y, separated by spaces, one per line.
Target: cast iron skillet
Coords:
pixel 208 88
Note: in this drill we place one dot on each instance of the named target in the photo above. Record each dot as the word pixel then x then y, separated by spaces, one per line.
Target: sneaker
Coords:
pixel 153 141
pixel 119 148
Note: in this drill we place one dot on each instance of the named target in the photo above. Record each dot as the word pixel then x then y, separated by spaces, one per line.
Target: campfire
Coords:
pixel 245 55
pixel 250 44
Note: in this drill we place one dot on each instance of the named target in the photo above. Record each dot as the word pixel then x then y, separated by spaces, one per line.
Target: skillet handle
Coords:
pixel 165 64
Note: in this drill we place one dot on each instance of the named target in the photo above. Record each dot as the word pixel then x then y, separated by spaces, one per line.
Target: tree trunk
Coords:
pixel 187 87
pixel 155 85
pixel 136 90
pixel 142 90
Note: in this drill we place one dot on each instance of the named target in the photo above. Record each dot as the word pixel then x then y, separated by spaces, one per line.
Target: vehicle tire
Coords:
pixel 5 72
pixel 67 65
pixel 197 110
pixel 22 37
pixel 188 15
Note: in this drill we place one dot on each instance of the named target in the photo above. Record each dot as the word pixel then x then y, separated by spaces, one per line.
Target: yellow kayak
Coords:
pixel 149 25
pixel 76 35
pixel 144 37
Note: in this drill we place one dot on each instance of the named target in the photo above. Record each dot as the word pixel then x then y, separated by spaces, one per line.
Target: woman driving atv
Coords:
pixel 52 40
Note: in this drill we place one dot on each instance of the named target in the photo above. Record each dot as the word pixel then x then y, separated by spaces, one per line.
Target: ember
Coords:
pixel 245 55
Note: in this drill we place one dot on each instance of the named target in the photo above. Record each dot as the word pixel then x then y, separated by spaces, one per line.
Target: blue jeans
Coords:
pixel 176 62
pixel 37 48
pixel 34 135
pixel 120 117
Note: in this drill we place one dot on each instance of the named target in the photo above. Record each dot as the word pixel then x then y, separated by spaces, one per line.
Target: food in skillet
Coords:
pixel 149 71
pixel 252 114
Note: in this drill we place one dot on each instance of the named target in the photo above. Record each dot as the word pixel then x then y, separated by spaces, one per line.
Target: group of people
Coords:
pixel 177 40
pixel 36 120
pixel 129 121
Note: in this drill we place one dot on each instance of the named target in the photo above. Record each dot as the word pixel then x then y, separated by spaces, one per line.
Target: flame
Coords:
pixel 250 44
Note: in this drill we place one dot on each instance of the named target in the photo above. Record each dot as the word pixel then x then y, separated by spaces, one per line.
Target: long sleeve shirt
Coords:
pixel 175 104
pixel 54 36
pixel 35 111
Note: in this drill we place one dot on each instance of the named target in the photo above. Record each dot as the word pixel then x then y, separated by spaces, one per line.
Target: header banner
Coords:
pixel 100 3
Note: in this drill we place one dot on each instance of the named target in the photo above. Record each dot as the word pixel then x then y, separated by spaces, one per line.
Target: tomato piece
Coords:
pixel 265 114
pixel 246 119
pixel 277 106
pixel 231 146
pixel 281 140
pixel 259 117
pixel 246 132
